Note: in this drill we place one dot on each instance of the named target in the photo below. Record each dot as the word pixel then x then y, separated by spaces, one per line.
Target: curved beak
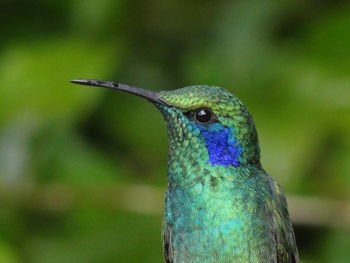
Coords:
pixel 152 96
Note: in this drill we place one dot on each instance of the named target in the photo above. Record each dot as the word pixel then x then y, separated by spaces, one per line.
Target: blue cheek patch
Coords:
pixel 223 148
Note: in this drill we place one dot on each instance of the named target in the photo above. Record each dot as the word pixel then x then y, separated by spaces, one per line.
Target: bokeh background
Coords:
pixel 83 169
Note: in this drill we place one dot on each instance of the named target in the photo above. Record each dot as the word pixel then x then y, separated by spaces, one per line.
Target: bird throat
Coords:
pixel 196 150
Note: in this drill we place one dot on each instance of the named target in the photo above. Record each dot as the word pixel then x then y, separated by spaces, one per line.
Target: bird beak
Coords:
pixel 152 96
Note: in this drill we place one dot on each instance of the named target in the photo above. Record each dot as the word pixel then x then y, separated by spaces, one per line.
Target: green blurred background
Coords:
pixel 82 169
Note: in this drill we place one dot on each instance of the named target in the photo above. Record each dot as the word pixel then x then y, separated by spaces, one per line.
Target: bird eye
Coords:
pixel 204 116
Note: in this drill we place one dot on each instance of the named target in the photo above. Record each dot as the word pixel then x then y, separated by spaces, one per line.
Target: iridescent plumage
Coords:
pixel 221 206
pixel 224 211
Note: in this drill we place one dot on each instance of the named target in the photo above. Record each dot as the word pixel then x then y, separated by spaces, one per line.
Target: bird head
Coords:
pixel 207 125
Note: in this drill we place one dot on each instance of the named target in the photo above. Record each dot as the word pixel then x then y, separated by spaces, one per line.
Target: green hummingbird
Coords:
pixel 220 206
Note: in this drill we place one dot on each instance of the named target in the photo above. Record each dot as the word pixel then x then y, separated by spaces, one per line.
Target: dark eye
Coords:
pixel 204 116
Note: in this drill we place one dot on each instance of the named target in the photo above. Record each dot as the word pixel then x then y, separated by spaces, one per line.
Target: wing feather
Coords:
pixel 286 249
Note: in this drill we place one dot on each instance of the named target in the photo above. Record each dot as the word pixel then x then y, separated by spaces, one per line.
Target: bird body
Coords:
pixel 221 219
pixel 221 206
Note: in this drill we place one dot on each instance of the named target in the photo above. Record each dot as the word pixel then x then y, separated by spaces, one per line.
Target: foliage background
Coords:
pixel 82 169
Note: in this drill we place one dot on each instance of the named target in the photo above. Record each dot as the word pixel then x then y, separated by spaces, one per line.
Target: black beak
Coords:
pixel 152 96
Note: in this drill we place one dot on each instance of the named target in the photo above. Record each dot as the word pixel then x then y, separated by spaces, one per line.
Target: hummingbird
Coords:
pixel 220 204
